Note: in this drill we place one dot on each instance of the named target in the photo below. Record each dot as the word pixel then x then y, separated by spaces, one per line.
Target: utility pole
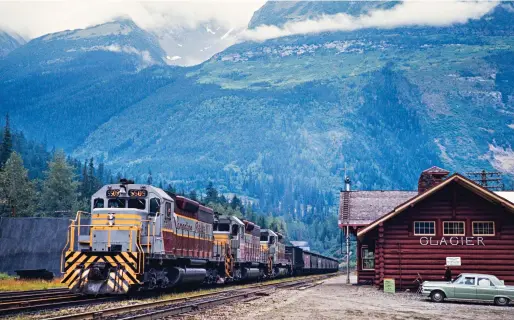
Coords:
pixel 347 254
pixel 347 207
pixel 488 180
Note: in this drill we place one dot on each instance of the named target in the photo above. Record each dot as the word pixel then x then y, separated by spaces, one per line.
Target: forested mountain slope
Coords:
pixel 278 120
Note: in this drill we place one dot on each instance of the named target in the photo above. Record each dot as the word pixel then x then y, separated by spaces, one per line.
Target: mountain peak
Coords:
pixel 120 27
pixel 9 41
pixel 120 41
pixel 278 13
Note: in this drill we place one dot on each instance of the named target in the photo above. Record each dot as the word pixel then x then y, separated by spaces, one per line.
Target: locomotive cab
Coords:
pixel 274 250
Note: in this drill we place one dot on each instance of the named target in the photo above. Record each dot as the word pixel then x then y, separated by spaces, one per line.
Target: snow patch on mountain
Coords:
pixel 145 55
pixel 227 33
pixel 103 30
pixel 209 30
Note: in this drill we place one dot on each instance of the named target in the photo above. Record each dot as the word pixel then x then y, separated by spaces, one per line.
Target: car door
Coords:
pixel 466 288
pixel 485 289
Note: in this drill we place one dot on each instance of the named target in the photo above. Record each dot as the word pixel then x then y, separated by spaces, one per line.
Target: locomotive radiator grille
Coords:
pixel 122 269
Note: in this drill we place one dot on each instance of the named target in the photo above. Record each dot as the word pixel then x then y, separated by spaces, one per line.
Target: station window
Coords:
pixel 453 228
pixel 424 228
pixel 368 259
pixel 483 228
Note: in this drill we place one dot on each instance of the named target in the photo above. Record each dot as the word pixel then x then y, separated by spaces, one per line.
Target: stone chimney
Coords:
pixel 430 178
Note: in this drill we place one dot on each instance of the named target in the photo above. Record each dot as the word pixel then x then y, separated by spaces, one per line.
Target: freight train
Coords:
pixel 139 237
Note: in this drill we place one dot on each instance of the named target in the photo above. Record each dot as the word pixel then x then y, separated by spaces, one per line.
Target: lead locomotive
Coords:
pixel 141 237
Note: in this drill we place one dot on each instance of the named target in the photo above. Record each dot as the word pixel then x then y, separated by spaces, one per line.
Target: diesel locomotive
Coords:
pixel 139 237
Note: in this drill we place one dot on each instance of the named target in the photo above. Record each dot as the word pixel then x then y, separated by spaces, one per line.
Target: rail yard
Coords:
pixel 157 305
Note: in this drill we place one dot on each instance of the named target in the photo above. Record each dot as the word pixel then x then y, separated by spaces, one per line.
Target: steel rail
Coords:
pixel 224 295
pixel 76 301
pixel 213 302
pixel 29 297
pixel 4 305
pixel 4 294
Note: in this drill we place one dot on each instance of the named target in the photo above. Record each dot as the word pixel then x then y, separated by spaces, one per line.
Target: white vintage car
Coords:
pixel 469 286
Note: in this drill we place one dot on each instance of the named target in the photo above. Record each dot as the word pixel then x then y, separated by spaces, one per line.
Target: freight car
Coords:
pixel 139 237
pixel 305 262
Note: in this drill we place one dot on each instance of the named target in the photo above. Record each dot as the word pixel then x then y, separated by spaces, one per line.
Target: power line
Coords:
pixel 490 180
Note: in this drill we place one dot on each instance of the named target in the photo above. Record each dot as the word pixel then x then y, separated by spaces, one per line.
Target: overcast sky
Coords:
pixel 34 18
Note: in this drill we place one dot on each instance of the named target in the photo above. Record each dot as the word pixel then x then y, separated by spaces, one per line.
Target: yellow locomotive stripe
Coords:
pixel 117 216
pixel 128 260
pixel 128 267
pixel 185 235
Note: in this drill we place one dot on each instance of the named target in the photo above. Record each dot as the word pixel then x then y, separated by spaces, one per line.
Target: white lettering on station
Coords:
pixel 454 241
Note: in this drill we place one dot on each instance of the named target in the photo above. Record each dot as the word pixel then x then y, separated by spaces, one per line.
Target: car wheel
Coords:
pixel 501 301
pixel 437 296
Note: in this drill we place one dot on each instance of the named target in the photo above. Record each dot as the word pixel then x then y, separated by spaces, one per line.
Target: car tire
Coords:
pixel 437 296
pixel 501 301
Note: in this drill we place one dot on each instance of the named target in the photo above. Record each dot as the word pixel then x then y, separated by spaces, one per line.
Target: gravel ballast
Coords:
pixel 333 299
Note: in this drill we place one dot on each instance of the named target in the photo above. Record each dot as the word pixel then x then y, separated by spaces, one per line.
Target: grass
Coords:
pixel 10 283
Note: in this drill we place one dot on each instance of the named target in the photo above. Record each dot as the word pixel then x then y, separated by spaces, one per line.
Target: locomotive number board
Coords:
pixel 137 193
pixel 113 193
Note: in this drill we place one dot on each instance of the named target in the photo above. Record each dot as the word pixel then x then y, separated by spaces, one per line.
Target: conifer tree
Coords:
pixel 211 194
pixel 16 190
pixel 193 195
pixel 236 202
pixel 170 188
pixel 100 173
pixel 93 181
pixel 149 181
pixel 59 187
pixel 6 148
pixel 84 185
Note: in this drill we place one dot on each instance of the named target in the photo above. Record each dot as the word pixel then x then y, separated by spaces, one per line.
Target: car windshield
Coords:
pixel 457 279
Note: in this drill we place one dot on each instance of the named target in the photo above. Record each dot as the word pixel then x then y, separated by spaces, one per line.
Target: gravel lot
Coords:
pixel 335 300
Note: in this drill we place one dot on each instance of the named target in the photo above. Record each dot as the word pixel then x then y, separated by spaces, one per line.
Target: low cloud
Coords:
pixel 35 18
pixel 408 13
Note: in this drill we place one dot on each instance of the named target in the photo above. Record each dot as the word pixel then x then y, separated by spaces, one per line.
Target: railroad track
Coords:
pixel 175 306
pixel 10 294
pixel 56 301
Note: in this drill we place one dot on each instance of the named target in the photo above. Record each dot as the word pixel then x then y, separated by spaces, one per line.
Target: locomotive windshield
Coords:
pixel 98 203
pixel 137 204
pixel 116 203
pixel 221 227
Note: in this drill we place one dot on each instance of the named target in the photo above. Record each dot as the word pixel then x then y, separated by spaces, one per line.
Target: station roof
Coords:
pixel 365 207
pixel 456 178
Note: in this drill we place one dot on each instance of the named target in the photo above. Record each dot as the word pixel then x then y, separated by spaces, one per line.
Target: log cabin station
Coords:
pixel 406 235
